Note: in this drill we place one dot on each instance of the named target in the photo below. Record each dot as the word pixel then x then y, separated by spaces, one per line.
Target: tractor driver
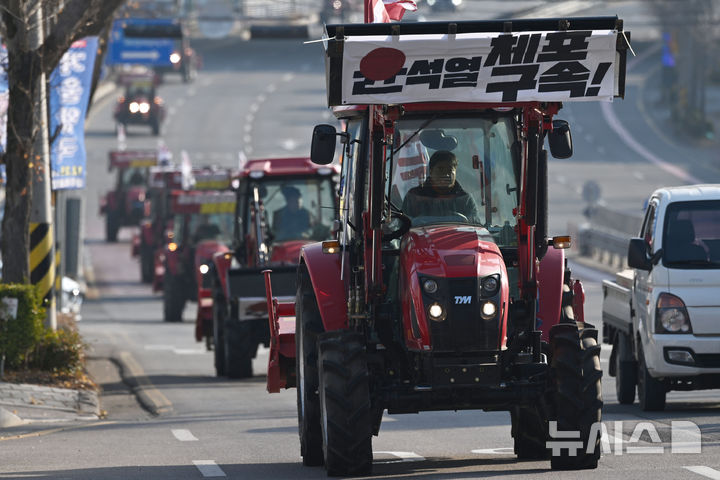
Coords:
pixel 291 221
pixel 440 195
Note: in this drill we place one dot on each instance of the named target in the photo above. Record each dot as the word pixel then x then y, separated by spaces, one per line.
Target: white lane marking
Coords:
pixel 184 435
pixel 625 136
pixel 261 98
pixel 402 457
pixel 247 139
pixel 704 471
pixel 192 92
pixel 271 88
pixel 248 127
pixel 176 350
pixel 288 77
pixel 209 468
pixel 495 451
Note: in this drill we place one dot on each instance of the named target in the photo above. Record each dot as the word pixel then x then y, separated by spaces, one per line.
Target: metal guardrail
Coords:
pixel 606 235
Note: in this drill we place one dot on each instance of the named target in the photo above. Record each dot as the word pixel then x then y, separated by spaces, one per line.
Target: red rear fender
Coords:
pixel 222 261
pixel 330 290
pixel 550 285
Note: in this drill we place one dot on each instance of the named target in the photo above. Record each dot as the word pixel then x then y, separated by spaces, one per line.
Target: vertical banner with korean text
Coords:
pixel 70 85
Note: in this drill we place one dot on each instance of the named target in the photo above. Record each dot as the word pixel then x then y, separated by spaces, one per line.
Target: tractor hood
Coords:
pixel 287 253
pixel 451 251
pixel 456 259
pixel 206 249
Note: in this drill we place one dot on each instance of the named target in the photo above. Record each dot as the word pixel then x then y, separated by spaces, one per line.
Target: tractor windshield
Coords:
pixel 458 170
pixel 297 208
pixel 196 227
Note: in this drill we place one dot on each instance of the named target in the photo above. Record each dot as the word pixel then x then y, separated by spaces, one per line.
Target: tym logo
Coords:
pixel 462 299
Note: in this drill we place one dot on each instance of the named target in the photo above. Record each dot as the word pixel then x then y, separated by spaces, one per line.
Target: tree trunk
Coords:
pixel 21 165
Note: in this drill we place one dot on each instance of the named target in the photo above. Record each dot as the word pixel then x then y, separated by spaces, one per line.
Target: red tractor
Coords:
pixel 151 238
pixel 282 205
pixel 443 290
pixel 126 205
pixel 202 224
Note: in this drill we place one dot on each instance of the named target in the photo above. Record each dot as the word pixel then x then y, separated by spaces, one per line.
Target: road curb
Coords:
pixel 133 375
pixel 9 419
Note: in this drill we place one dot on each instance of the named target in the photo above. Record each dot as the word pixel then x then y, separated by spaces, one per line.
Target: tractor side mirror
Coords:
pixel 637 254
pixel 560 140
pixel 322 148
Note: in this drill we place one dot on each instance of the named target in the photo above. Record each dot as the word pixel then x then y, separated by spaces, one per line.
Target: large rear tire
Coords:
pixel 345 407
pixel 626 371
pixel 173 299
pixel 651 391
pixel 569 396
pixel 308 324
pixel 240 348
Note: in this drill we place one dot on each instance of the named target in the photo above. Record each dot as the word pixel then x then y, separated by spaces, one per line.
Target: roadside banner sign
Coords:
pixel 70 85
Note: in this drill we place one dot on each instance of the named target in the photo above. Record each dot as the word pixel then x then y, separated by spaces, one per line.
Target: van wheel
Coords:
pixel 651 391
pixel 626 371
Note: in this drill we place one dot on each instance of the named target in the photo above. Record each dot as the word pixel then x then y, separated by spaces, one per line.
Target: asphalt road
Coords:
pixel 263 97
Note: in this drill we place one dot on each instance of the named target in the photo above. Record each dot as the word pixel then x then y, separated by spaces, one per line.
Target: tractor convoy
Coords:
pixel 414 272
pixel 441 289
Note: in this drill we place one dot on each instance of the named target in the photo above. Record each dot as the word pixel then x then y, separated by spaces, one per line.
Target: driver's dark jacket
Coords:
pixel 426 201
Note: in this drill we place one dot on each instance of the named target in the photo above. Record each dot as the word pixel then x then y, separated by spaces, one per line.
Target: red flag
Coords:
pixel 382 11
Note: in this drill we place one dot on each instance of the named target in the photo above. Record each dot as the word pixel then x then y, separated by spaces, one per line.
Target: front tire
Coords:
pixel 651 391
pixel 240 348
pixel 219 309
pixel 529 432
pixel 308 325
pixel 345 407
pixel 173 299
pixel 111 227
pixel 146 264
pixel 569 396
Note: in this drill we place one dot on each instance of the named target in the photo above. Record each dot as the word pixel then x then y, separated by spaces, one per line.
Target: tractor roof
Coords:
pixel 132 158
pixel 288 166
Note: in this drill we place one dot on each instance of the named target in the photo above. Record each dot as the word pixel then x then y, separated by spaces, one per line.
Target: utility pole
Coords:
pixel 42 248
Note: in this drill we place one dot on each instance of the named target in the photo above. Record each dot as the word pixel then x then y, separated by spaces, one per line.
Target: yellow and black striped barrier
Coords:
pixel 42 265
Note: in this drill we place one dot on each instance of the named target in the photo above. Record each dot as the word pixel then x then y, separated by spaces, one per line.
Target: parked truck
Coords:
pixel 281 205
pixel 661 314
pixel 442 289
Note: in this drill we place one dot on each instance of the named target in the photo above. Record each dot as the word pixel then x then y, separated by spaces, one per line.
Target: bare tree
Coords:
pixel 31 52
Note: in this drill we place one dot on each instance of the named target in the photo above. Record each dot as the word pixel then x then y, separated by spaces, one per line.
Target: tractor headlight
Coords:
pixel 134 107
pixel 489 285
pixel 671 316
pixel 430 286
pixel 436 312
pixel 144 107
pixel 204 269
pixel 488 310
pixel 174 58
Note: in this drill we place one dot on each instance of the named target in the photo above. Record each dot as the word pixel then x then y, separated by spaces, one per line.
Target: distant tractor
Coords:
pixel 202 224
pixel 125 205
pixel 282 204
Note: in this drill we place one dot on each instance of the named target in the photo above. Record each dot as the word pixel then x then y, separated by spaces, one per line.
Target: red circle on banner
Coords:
pixel 382 63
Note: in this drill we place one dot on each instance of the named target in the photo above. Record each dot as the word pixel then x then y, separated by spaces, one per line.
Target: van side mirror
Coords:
pixel 638 254
pixel 322 148
pixel 560 140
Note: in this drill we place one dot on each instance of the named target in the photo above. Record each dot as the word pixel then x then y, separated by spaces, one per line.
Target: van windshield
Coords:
pixel 691 236
pixel 458 170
